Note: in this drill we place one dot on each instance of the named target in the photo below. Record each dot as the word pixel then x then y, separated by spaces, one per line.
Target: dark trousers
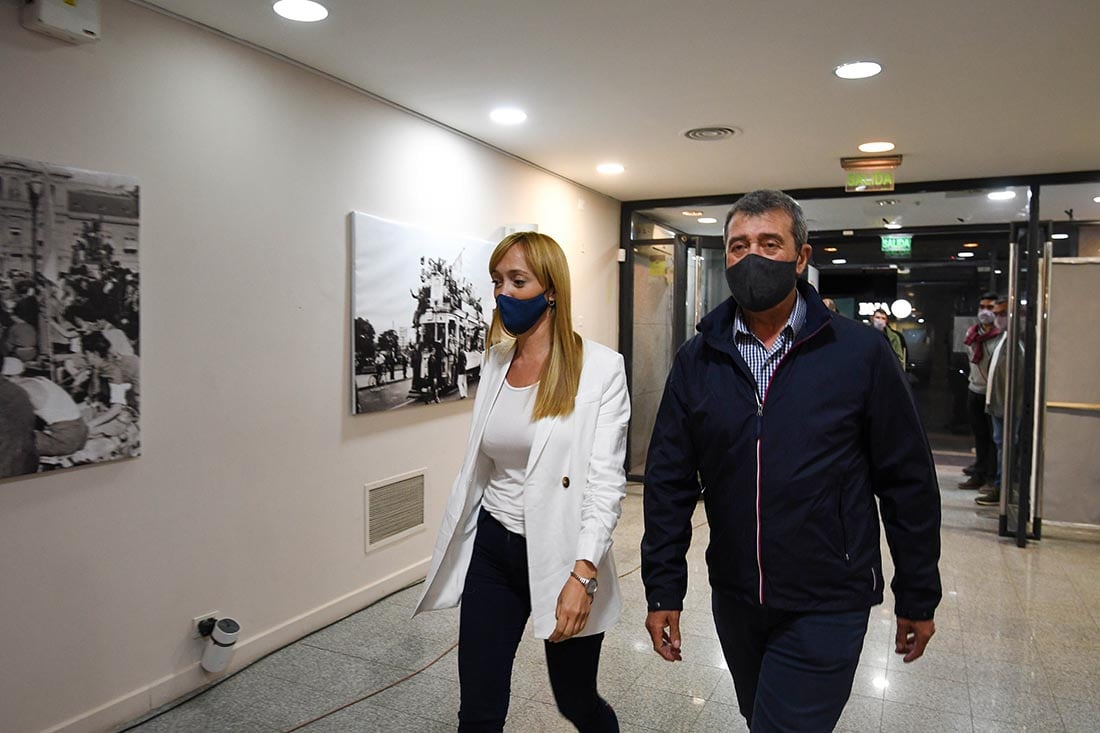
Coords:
pixel 496 602
pixel 791 671
pixel 985 468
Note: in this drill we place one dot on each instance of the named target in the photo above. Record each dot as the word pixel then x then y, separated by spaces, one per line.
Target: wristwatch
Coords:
pixel 590 584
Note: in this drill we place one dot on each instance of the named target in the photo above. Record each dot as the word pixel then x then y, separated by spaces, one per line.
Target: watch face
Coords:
pixel 591 586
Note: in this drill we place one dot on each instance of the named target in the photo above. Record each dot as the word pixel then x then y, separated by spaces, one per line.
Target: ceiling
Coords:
pixel 969 89
pixel 931 209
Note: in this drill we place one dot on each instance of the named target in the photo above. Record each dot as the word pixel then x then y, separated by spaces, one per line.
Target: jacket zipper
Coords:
pixel 759 439
pixel 874 579
pixel 759 563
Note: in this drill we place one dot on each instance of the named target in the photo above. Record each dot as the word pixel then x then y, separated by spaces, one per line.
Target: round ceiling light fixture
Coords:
pixel 901 308
pixel 858 70
pixel 840 261
pixel 707 220
pixel 610 169
pixel 1096 199
pixel 508 116
pixel 964 255
pixel 303 11
pixel 1006 195
pixel 892 225
pixel 711 134
pixel 876 147
pixel 1063 235
pixel 692 213
pixel 970 245
pixel 830 249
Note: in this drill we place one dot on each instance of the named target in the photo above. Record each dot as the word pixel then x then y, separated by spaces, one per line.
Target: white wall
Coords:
pixel 248 498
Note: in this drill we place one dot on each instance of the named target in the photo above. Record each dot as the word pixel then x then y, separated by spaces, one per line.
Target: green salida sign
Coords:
pixel 897 245
pixel 870 181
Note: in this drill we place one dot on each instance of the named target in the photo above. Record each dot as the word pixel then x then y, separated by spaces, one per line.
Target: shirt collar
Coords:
pixel 795 321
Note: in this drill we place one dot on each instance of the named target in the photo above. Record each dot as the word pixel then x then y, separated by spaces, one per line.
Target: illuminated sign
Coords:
pixel 897 245
pixel 869 181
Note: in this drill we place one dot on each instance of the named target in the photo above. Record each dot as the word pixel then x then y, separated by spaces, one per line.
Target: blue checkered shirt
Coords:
pixel 762 361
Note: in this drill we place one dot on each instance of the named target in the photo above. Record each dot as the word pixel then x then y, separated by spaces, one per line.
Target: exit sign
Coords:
pixel 897 246
pixel 870 181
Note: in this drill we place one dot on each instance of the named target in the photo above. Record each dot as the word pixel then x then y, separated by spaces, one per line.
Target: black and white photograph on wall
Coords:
pixel 69 317
pixel 422 301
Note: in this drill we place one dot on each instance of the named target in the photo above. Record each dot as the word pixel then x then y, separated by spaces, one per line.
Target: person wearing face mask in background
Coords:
pixel 996 395
pixel 527 529
pixel 795 420
pixel 881 321
pixel 979 343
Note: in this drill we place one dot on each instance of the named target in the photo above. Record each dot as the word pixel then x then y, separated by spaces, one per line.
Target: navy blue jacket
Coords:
pixel 789 487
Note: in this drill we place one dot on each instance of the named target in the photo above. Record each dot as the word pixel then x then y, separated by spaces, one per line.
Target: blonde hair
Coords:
pixel 561 374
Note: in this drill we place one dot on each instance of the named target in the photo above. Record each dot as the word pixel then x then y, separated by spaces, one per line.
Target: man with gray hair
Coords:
pixel 796 420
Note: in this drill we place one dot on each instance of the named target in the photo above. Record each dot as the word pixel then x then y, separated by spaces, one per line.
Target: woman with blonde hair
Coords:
pixel 527 529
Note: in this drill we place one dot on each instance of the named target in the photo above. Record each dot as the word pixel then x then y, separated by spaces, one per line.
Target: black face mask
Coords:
pixel 759 283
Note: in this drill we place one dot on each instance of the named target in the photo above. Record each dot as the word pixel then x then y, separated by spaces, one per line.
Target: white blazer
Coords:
pixel 572 495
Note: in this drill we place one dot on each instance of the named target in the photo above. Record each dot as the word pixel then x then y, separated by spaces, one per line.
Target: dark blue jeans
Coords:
pixel 791 671
pixel 496 602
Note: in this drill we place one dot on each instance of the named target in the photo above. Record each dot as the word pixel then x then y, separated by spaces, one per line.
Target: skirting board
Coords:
pixel 143 700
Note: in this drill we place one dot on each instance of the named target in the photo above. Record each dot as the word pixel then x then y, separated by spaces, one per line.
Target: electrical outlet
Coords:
pixel 198 620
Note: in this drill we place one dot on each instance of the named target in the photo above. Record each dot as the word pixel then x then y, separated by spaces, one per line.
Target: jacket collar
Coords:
pixel 717 326
pixel 493 382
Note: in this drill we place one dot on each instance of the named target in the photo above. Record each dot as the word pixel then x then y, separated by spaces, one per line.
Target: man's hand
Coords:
pixel 912 637
pixel 664 632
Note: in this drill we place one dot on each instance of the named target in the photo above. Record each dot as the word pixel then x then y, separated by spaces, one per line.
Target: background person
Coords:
pixel 979 343
pixel 796 422
pixel 881 321
pixel 540 488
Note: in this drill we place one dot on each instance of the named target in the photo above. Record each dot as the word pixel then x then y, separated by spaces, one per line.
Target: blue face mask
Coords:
pixel 518 316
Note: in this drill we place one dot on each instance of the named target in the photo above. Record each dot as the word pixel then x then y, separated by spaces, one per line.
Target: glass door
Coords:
pixel 654 327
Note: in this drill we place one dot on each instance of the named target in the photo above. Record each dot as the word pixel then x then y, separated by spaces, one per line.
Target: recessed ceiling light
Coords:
pixel 840 261
pixel 858 69
pixel 879 147
pixel 508 116
pixel 970 245
pixel 920 320
pixel 1001 195
pixel 1059 236
pixel 1096 199
pixel 830 249
pixel 887 202
pixel 965 254
pixel 303 11
pixel 892 226
pixel 610 169
pixel 707 220
pixel 692 213
pixel 997 272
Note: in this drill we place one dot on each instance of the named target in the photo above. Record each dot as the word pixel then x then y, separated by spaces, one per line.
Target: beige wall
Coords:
pixel 249 496
pixel 1088 241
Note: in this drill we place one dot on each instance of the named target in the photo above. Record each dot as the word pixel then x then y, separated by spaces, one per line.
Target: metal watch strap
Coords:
pixel 590 584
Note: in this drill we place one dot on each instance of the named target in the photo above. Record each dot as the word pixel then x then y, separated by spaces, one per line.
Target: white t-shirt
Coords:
pixel 509 434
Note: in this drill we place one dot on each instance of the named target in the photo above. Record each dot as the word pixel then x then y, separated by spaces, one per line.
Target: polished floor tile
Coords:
pixel 1016 643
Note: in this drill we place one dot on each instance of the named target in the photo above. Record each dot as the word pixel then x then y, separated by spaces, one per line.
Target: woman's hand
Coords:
pixel 574 603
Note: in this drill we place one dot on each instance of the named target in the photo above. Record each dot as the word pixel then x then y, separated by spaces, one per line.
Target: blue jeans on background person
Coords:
pixel 496 601
pixel 998 440
pixel 791 671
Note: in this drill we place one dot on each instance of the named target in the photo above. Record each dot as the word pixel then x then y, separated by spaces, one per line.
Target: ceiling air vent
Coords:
pixel 711 134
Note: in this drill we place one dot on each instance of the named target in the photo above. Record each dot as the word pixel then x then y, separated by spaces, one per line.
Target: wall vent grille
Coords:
pixel 394 508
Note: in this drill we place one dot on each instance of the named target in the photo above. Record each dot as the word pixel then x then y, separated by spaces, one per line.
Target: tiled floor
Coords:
pixel 1016 650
